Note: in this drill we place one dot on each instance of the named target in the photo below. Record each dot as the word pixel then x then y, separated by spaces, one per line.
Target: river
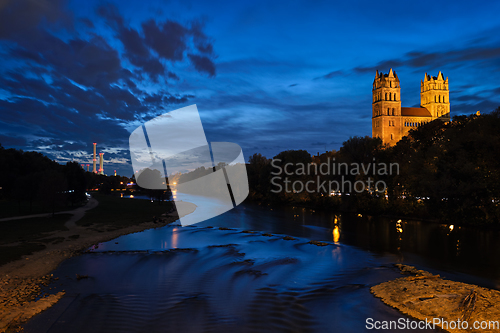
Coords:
pixel 201 278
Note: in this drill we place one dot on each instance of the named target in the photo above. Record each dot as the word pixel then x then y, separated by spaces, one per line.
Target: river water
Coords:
pixel 201 278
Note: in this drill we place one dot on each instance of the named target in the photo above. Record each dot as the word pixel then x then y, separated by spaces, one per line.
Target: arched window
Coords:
pixel 435 99
pixel 393 111
pixel 395 97
pixel 388 112
pixel 444 100
pixel 391 137
pixel 386 96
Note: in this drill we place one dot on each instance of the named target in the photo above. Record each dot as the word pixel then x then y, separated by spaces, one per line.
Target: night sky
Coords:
pixel 267 76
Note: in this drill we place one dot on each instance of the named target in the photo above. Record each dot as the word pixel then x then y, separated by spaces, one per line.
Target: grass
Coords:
pixel 24 236
pixel 31 229
pixel 9 208
pixel 119 212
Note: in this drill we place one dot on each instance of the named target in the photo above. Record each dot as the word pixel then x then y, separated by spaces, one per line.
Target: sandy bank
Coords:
pixel 22 280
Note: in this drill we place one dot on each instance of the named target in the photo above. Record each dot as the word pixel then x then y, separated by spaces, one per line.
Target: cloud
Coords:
pixel 12 139
pixel 419 59
pixel 63 90
pixel 169 40
pixel 203 64
pixel 20 17
pixel 381 65
pixel 330 75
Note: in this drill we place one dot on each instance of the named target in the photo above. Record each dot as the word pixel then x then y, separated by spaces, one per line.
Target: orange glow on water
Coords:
pixel 336 234
pixel 174 238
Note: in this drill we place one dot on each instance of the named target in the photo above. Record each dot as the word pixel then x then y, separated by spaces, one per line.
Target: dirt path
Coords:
pixel 77 214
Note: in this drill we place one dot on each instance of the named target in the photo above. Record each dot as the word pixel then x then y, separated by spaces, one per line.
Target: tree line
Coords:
pixel 28 177
pixel 445 171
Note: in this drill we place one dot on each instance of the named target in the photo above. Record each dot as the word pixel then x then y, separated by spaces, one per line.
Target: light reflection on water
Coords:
pixel 435 246
pixel 223 280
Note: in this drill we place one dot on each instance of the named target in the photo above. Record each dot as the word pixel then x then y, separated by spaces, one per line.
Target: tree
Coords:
pixel 75 179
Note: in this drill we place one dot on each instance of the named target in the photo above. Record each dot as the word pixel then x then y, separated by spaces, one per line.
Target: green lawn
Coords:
pixel 123 212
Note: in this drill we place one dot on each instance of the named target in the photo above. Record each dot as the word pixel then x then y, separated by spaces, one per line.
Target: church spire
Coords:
pixel 391 74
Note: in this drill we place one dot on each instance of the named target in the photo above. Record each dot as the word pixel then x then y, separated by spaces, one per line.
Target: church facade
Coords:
pixel 391 122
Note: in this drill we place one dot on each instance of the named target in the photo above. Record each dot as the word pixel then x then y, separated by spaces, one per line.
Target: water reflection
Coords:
pixel 399 227
pixel 444 247
pixel 439 246
pixel 336 234
pixel 336 229
pixel 174 238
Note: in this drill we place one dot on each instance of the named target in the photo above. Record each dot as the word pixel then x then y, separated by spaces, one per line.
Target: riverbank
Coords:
pixel 209 278
pixel 239 269
pixel 452 306
pixel 22 280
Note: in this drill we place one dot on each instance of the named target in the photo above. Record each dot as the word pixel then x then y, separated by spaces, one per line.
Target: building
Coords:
pixel 391 122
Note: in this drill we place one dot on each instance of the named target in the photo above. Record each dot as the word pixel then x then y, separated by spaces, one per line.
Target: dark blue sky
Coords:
pixel 268 76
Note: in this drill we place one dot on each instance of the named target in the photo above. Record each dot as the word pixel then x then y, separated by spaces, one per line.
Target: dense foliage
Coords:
pixel 34 179
pixel 444 171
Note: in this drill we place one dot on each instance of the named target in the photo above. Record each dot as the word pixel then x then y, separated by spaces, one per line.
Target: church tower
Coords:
pixel 386 107
pixel 435 96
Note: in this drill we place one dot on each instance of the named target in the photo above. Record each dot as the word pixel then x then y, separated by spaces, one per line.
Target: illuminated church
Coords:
pixel 391 122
